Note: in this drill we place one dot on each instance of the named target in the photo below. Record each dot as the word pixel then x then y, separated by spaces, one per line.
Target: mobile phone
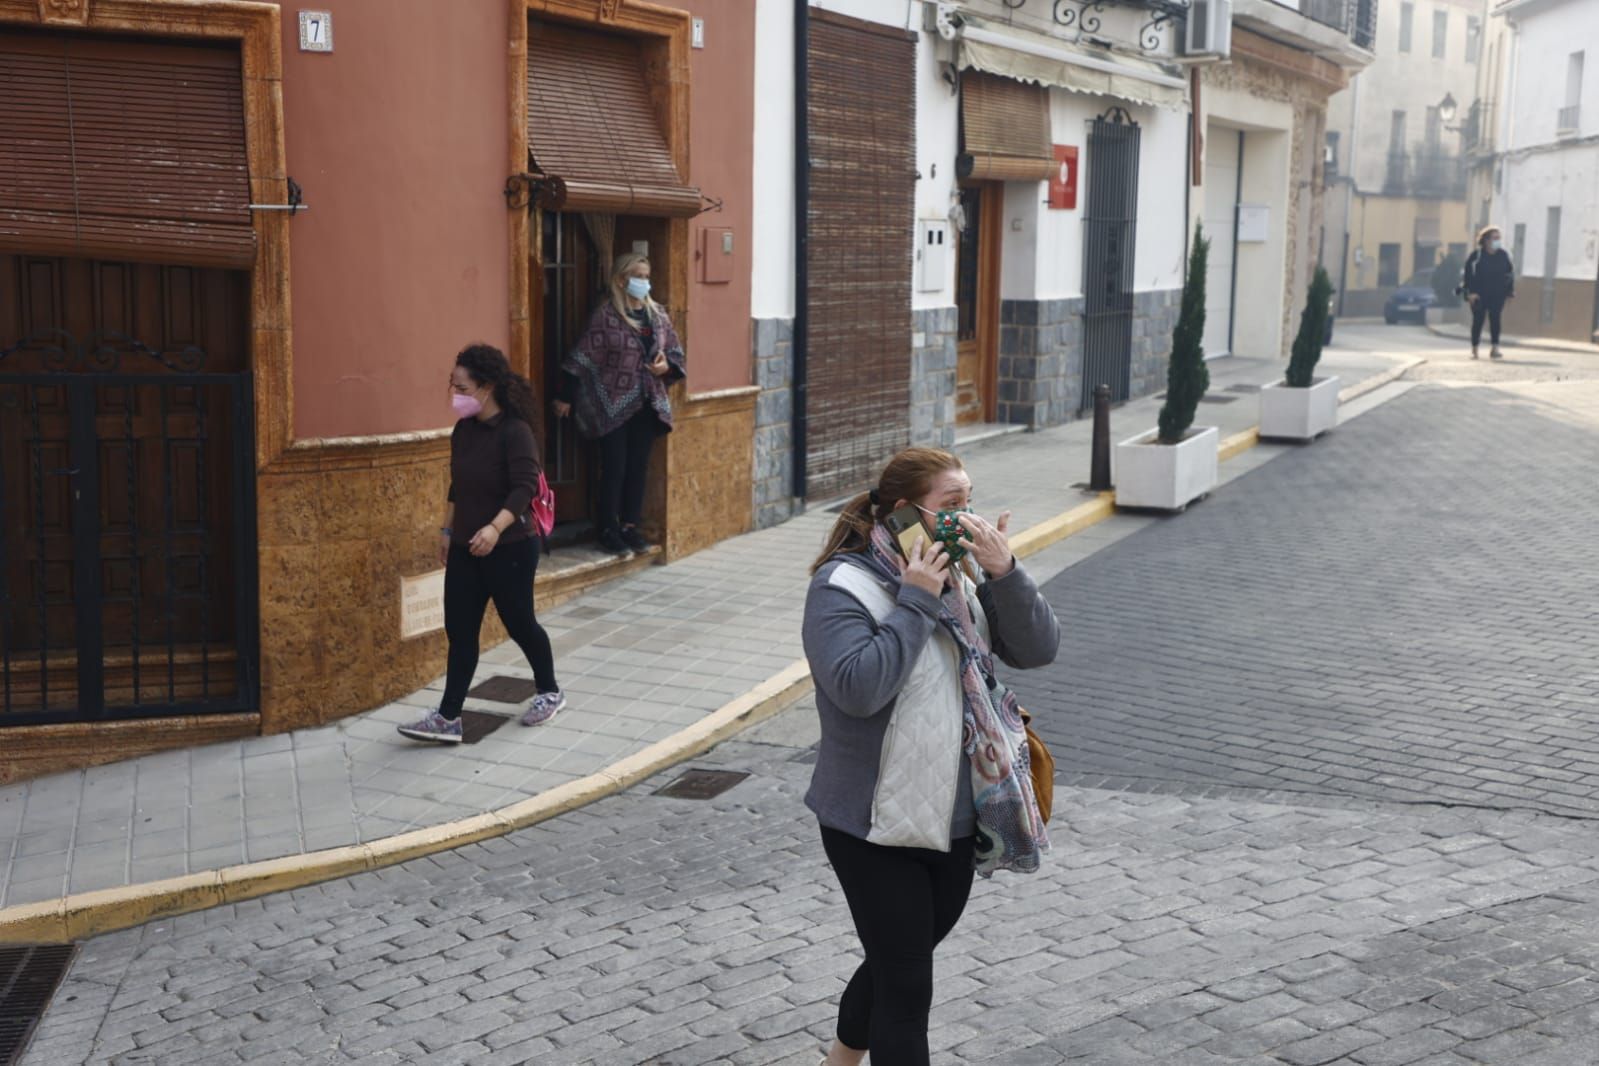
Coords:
pixel 906 525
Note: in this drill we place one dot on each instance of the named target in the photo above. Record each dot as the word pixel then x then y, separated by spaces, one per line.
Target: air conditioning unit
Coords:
pixel 1209 29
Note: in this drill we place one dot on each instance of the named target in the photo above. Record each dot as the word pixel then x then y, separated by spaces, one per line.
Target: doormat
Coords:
pixel 475 725
pixel 28 978
pixel 702 784
pixel 1218 399
pixel 503 689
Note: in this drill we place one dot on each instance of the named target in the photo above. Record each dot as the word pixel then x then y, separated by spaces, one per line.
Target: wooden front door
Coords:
pixel 568 281
pixel 977 305
pixel 126 491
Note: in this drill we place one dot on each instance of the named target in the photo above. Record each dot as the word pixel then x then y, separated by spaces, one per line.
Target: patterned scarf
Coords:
pixel 1010 831
pixel 613 384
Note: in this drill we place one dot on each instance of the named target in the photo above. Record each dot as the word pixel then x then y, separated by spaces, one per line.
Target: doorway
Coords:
pixel 127 489
pixel 1224 168
pixel 977 303
pixel 569 279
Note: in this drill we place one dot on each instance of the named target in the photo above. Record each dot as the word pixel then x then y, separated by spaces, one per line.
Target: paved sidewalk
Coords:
pixel 1549 344
pixel 640 659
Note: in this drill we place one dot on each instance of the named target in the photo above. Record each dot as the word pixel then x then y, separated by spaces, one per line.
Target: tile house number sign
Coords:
pixel 316 31
pixel 421 604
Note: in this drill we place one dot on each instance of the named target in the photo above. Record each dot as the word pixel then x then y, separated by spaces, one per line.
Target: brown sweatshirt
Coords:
pixel 493 466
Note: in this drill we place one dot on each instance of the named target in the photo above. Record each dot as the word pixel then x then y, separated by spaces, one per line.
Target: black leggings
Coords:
pixel 1482 307
pixel 505 576
pixel 624 465
pixel 904 901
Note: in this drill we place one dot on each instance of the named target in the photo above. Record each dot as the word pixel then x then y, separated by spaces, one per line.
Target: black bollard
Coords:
pixel 1099 471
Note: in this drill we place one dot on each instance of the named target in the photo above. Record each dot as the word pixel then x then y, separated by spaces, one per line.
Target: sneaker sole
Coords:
pixel 437 738
pixel 543 721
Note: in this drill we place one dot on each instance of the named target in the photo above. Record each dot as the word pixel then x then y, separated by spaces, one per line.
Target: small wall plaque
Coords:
pixel 316 31
pixel 421 604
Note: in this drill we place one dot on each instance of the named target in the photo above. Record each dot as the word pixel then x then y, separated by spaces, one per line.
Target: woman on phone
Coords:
pixel 485 543
pixel 922 776
pixel 615 382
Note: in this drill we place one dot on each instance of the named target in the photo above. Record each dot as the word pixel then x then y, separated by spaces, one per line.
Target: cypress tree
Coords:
pixel 1312 329
pixel 1187 377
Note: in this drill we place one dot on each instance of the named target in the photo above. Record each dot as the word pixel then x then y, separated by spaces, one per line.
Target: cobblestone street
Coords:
pixel 1329 767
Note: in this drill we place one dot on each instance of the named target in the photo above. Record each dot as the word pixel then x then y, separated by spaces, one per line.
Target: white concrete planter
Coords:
pixel 1299 414
pixel 1166 477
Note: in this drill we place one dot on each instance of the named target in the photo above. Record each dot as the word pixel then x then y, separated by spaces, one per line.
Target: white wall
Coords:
pixel 772 237
pixel 1543 42
pixel 1568 179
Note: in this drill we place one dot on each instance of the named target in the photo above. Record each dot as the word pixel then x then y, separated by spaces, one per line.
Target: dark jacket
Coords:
pixel 1490 275
pixel 493 465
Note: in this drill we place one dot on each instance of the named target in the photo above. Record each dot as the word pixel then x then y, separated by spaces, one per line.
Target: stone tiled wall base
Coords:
pixel 709 461
pixel 933 377
pixel 1040 361
pixel 773 343
pixel 1154 317
pixel 29 751
pixel 337 531
pixel 1573 311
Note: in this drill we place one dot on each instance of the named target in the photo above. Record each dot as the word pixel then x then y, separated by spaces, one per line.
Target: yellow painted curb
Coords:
pixel 87 914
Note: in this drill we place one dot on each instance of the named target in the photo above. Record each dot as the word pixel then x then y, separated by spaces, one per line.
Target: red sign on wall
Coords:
pixel 1063 186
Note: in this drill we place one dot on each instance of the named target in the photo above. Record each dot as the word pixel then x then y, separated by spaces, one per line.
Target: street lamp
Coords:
pixel 1446 108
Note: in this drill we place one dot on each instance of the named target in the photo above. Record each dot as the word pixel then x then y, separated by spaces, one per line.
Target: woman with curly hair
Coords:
pixel 486 541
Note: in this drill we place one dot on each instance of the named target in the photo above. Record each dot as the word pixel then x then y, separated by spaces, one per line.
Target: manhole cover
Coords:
pixel 1243 388
pixel 475 725
pixel 28 978
pixel 702 784
pixel 502 689
pixel 1218 399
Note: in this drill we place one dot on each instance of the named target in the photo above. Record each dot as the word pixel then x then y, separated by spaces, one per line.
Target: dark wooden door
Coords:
pixel 977 304
pixel 126 473
pixel 568 282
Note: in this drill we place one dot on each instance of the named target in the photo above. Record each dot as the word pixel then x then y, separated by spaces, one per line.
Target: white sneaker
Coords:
pixel 1495 353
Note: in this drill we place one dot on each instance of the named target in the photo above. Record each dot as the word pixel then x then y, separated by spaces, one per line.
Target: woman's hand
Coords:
pixel 562 408
pixel 988 543
pixel 484 540
pixel 659 366
pixel 444 549
pixel 928 567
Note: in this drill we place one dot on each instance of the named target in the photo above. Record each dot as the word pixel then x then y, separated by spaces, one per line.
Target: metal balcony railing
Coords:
pixel 1568 118
pixel 1363 23
pixel 1426 173
pixel 1334 13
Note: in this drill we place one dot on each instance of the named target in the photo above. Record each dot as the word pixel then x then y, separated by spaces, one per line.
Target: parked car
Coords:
pixel 1411 299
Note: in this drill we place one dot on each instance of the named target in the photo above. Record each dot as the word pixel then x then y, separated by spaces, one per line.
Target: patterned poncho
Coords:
pixel 609 365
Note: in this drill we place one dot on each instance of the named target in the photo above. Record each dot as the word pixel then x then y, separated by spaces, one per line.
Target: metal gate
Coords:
pixel 1110 231
pixel 127 532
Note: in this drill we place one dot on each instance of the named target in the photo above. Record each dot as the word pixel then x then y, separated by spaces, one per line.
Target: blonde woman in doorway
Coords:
pixel 614 382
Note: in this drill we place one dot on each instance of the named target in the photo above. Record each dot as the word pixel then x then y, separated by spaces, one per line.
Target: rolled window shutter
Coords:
pixel 1005 130
pixel 123 151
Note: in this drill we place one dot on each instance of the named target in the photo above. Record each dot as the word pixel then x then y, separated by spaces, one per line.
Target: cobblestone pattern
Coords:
pixel 933 377
pixel 1040 361
pixel 648 930
pixel 1405 610
pixel 774 411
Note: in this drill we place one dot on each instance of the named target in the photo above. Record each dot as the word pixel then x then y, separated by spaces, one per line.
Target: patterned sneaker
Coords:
pixel 434 727
pixel 544 707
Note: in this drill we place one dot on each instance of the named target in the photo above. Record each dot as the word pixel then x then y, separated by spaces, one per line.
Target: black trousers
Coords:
pixel 903 901
pixel 624 465
pixel 505 576
pixel 1489 308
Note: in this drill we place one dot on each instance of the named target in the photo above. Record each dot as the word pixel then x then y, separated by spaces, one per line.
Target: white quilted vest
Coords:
pixel 917 775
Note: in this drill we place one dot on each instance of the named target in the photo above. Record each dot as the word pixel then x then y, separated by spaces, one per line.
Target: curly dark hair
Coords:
pixel 514 393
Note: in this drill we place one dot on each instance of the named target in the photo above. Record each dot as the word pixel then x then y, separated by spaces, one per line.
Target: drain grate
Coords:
pixel 502 689
pixel 28 978
pixel 475 725
pixel 702 784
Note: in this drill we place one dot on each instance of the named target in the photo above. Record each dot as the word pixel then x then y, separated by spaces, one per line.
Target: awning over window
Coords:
pixel 1035 57
pixel 592 123
pixel 1004 130
pixel 123 150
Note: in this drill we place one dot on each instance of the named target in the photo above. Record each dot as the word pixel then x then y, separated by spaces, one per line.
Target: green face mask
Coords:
pixel 948 531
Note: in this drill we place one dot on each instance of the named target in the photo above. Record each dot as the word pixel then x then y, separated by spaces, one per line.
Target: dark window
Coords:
pixel 1387 265
pixel 1518 244
pixel 1426 259
pixel 1332 153
pixel 1473 38
pixel 1407 15
pixel 1440 34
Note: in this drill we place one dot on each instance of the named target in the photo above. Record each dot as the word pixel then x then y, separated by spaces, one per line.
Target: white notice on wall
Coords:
pixel 1254 222
pixel 421 604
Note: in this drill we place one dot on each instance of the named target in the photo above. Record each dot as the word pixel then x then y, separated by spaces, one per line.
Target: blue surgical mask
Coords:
pixel 638 288
pixel 1493 244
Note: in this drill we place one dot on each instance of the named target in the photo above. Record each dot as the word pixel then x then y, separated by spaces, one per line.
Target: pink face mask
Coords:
pixel 466 406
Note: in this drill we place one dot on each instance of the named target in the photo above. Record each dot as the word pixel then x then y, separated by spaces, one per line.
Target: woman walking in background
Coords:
pixel 1488 279
pixel 922 776
pixel 615 382
pixel 486 542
